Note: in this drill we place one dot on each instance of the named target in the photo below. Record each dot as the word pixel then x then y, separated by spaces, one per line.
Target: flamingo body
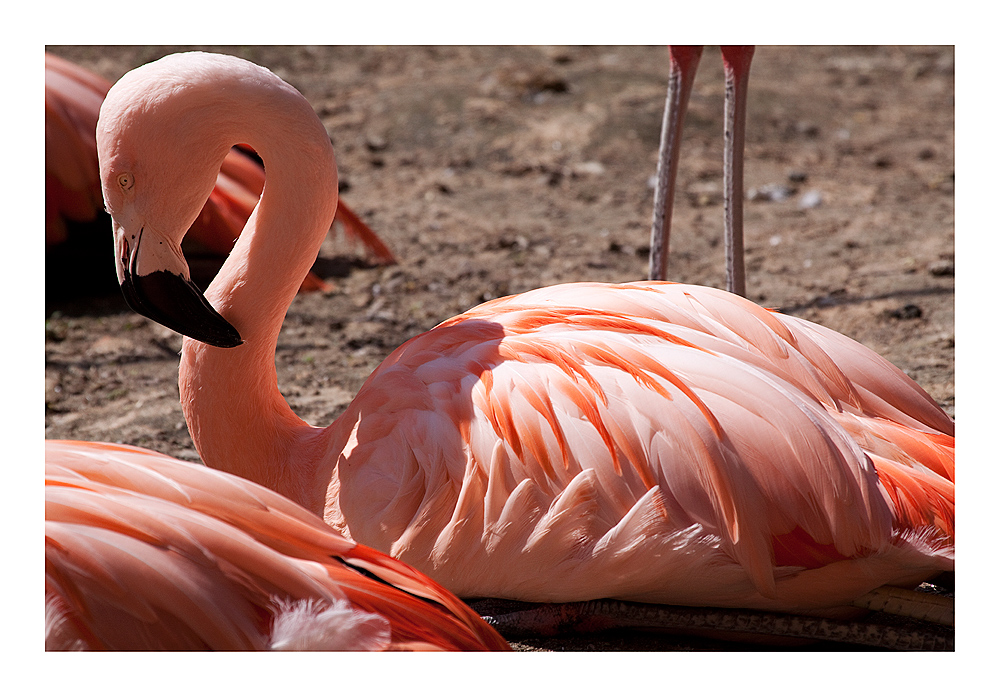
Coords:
pixel 653 442
pixel 646 441
pixel 146 552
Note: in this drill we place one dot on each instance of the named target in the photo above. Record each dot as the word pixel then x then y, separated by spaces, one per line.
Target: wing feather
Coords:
pixel 702 438
pixel 147 552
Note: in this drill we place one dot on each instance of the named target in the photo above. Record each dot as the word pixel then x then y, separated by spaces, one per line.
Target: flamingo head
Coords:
pixel 158 167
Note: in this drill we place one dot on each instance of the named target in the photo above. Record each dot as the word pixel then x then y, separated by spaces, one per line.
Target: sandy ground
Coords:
pixel 491 171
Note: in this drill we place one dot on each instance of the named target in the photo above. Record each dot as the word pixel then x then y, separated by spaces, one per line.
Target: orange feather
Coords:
pixel 646 441
pixel 146 552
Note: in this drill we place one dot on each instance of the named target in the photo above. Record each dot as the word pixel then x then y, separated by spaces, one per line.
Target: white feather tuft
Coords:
pixel 315 625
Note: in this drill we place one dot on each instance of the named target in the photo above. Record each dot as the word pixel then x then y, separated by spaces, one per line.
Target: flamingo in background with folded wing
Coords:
pixel 145 552
pixel 648 441
pixel 73 99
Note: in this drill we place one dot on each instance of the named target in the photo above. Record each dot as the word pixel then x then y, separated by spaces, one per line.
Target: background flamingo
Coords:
pixel 144 552
pixel 73 99
pixel 505 485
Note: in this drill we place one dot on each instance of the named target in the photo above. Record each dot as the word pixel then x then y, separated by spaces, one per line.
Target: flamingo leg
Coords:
pixel 683 64
pixel 736 62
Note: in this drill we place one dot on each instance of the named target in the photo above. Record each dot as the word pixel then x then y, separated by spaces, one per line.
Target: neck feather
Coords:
pixel 238 419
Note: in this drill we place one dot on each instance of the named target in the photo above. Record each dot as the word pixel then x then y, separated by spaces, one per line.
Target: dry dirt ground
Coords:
pixel 494 170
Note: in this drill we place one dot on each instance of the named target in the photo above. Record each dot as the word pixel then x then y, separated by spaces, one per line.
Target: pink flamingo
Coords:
pixel 683 64
pixel 73 99
pixel 648 441
pixel 145 552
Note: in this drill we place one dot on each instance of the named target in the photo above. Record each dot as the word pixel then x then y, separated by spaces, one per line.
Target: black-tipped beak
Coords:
pixel 177 303
pixel 163 292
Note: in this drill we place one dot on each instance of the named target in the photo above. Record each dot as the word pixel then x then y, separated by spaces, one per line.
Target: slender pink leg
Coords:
pixel 683 64
pixel 736 61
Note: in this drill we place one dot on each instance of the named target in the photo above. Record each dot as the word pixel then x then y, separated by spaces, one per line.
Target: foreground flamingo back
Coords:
pixel 146 552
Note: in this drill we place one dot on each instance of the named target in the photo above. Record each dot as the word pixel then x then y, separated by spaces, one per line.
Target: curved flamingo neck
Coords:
pixel 238 419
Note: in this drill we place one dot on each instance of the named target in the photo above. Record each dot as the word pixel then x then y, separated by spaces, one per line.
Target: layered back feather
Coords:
pixel 647 441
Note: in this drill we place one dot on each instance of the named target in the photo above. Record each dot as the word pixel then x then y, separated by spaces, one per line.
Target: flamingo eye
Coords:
pixel 125 181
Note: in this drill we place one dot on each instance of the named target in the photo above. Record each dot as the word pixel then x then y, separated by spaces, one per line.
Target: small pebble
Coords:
pixel 941 267
pixel 908 311
pixel 375 143
pixel 770 192
pixel 810 199
pixel 592 167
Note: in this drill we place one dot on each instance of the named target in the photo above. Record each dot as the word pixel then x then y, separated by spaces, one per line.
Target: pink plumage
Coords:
pixel 646 441
pixel 144 552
